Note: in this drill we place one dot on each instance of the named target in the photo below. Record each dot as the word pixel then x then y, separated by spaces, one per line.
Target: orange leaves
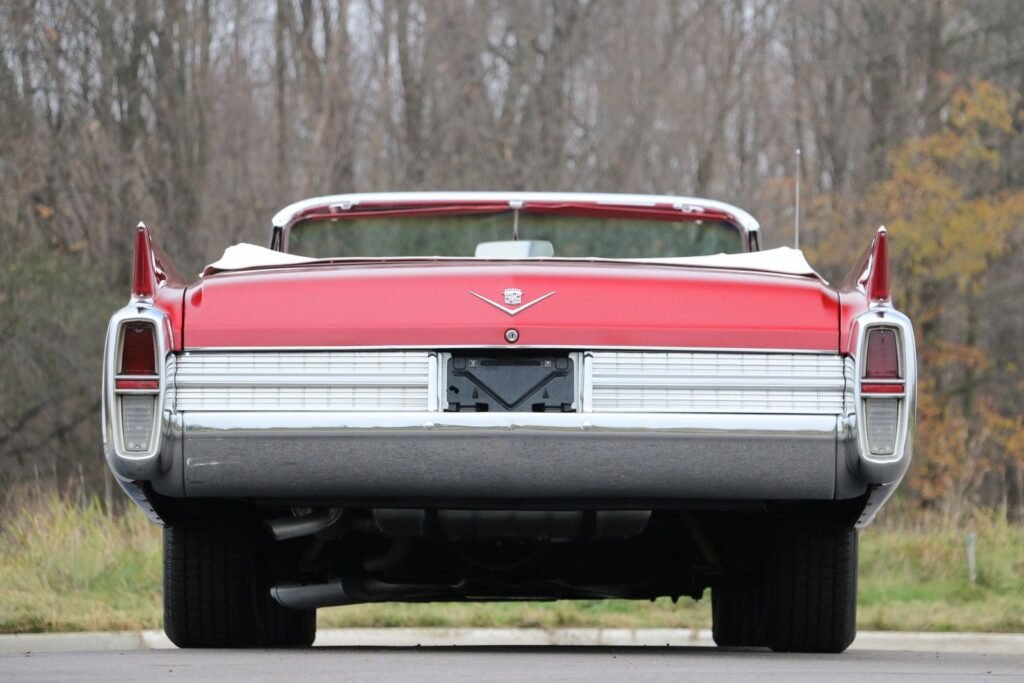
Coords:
pixel 983 105
pixel 942 353
pixel 939 444
pixel 952 218
pixel 1006 431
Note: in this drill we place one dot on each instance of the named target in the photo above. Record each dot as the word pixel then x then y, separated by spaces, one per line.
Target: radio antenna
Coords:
pixel 796 208
pixel 515 205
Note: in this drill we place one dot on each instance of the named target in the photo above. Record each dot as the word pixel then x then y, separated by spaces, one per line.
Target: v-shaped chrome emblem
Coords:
pixel 511 311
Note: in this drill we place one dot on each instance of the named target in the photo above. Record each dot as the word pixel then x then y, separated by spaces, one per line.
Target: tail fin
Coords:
pixel 877 284
pixel 152 267
pixel 144 273
pixel 871 274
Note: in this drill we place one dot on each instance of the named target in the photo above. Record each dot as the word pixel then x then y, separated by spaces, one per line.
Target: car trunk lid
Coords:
pixel 454 304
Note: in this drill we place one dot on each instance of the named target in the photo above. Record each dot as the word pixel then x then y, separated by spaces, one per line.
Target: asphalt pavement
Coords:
pixel 521 663
pixel 461 654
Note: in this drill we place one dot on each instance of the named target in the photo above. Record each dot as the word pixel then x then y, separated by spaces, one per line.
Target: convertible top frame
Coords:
pixel 657 207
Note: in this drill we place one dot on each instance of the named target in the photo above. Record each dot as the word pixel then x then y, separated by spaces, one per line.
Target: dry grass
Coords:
pixel 68 566
pixel 914 575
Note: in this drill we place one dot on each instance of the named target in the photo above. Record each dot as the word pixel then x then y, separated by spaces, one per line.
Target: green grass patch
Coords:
pixel 567 613
pixel 67 566
pixel 915 576
pixel 71 567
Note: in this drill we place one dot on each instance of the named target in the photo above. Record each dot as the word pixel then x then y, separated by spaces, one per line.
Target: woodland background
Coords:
pixel 203 117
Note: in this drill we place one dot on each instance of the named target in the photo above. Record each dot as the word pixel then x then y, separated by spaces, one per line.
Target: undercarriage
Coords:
pixel 300 558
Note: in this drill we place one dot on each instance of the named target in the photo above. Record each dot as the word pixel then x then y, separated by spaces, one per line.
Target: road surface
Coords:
pixel 633 665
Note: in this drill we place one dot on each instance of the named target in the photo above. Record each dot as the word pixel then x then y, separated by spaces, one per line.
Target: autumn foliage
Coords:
pixel 957 227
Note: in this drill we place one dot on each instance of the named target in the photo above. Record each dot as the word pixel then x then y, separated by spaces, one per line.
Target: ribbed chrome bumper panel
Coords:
pixel 304 381
pixel 611 382
pixel 682 382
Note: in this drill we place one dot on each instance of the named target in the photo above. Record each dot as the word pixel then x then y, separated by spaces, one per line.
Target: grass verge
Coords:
pixel 67 566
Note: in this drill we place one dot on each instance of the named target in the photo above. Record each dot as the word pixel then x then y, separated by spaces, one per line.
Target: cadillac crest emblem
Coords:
pixel 512 296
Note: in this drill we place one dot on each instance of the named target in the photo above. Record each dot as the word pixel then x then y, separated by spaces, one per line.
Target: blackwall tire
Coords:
pixel 811 586
pixel 216 592
pixel 736 615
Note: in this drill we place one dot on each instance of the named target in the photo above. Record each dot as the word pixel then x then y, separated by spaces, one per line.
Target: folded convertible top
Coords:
pixel 782 260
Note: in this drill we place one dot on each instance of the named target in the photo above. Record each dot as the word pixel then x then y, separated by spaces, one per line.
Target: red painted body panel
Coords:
pixel 851 304
pixel 169 298
pixel 430 305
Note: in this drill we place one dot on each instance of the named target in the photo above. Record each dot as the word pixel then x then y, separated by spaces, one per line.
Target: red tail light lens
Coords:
pixel 138 350
pixel 883 358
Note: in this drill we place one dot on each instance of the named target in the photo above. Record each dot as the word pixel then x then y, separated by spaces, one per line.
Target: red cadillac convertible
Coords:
pixel 424 397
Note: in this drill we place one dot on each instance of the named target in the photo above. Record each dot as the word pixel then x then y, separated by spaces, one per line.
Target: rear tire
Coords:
pixel 217 591
pixel 811 586
pixel 736 614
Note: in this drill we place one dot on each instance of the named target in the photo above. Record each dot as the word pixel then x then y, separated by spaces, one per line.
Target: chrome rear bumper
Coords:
pixel 505 455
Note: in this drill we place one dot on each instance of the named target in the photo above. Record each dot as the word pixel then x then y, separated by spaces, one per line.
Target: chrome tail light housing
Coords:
pixel 885 391
pixel 134 383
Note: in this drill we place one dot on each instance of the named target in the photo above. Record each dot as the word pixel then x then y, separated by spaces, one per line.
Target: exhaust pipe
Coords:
pixel 310 597
pixel 355 591
pixel 296 527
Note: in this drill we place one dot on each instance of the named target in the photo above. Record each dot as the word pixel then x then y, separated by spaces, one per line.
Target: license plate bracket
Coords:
pixel 511 383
